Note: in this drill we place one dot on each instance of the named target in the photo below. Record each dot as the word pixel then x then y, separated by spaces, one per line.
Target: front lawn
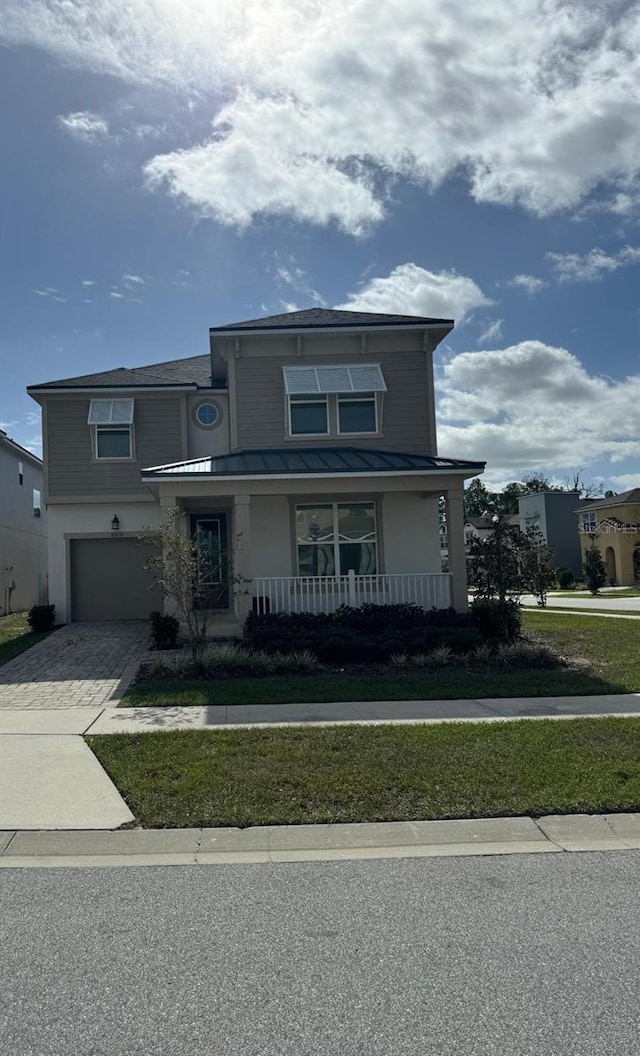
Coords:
pixel 605 655
pixel 375 773
pixel 16 636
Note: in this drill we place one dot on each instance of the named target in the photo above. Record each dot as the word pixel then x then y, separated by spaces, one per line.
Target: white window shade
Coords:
pixel 360 378
pixel 110 412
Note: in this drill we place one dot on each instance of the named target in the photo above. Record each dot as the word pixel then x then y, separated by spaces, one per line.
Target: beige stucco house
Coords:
pixel 614 525
pixel 304 444
pixel 23 529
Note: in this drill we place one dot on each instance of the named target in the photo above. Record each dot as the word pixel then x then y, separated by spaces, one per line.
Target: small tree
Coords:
pixel 196 579
pixel 537 574
pixel 595 572
pixel 493 562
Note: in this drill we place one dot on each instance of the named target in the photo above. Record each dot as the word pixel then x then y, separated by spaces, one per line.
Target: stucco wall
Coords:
pixel 87 520
pixel 410 533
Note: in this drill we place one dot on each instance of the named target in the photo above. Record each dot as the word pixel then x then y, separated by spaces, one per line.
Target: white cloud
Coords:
pixel 626 481
pixel 133 278
pixel 587 267
pixel 288 273
pixel 84 125
pixel 49 291
pixel 87 282
pixel 118 296
pixel 412 290
pixel 534 406
pixel 530 283
pixel 327 104
pixel 492 332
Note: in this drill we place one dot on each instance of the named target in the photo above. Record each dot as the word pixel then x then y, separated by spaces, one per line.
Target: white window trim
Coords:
pixel 336 542
pixel 590 521
pixel 360 398
pixel 300 398
pixel 131 457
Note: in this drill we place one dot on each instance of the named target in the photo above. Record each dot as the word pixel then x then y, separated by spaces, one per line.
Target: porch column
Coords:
pixel 455 542
pixel 241 586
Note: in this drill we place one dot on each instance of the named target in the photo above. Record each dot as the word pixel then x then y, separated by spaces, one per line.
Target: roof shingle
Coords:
pixel 328 317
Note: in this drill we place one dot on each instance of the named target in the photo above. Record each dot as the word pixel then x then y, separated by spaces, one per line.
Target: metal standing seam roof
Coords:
pixel 324 461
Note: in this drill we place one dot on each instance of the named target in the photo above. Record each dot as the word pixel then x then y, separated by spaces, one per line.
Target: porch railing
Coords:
pixel 326 593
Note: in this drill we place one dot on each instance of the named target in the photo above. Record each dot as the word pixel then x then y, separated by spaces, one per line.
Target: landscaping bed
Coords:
pixel 601 656
pixel 16 636
pixel 375 773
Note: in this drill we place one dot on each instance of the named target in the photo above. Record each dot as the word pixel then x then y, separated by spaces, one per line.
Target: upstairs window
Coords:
pixel 20 473
pixel 113 425
pixel 345 396
pixel 37 502
pixel 357 413
pixel 589 521
pixel 308 415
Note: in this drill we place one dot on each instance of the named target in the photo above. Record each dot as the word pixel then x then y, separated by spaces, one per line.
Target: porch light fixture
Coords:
pixel 115 523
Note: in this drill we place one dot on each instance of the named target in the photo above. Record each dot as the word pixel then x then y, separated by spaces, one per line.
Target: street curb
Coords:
pixel 320 843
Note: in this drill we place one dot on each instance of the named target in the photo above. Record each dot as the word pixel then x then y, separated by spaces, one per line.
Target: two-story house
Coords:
pixel 23 531
pixel 304 444
pixel 613 524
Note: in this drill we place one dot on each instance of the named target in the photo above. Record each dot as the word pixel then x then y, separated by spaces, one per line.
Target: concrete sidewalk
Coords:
pixel 321 843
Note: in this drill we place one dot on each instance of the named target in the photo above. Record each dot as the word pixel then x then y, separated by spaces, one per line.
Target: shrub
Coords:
pixel 164 630
pixel 497 621
pixel 228 661
pixel 525 654
pixel 42 617
pixel 564 578
pixel 443 656
pixel 364 634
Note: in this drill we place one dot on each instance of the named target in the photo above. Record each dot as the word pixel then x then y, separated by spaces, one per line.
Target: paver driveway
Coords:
pixel 79 666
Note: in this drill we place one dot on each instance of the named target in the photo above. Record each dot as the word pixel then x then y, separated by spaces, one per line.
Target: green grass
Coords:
pixel 607 654
pixel 15 636
pixel 375 773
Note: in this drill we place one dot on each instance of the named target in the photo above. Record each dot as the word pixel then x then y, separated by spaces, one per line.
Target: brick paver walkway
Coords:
pixel 79 666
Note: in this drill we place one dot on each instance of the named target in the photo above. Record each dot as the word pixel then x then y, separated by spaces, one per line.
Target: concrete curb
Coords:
pixel 320 843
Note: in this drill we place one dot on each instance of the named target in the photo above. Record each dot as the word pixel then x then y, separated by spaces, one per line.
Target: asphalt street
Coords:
pixel 516 956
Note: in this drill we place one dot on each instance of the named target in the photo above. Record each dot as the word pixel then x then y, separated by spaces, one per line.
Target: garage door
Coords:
pixel 108 580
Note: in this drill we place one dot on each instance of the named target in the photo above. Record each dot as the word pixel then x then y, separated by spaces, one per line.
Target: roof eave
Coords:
pixel 338 328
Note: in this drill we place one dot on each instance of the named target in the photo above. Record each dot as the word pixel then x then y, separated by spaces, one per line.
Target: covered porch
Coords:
pixel 336 532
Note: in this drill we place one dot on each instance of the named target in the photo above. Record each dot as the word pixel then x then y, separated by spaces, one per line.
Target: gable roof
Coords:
pixel 18 450
pixel 326 461
pixel 194 371
pixel 624 497
pixel 330 317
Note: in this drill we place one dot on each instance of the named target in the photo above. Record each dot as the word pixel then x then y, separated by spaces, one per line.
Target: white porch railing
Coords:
pixel 326 593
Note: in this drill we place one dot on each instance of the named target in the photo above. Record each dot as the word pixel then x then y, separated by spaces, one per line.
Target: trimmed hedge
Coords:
pixel 41 617
pixel 372 633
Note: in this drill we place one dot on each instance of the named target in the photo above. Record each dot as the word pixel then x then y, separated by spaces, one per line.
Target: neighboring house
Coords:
pixel 23 530
pixel 553 514
pixel 474 528
pixel 614 525
pixel 305 444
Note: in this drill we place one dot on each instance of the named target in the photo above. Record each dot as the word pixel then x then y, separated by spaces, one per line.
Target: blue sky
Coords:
pixel 173 166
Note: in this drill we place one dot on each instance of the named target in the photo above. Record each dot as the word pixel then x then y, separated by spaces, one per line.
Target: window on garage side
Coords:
pixel 112 422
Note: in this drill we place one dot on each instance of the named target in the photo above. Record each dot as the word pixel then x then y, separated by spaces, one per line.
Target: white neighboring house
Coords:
pixel 303 443
pixel 23 529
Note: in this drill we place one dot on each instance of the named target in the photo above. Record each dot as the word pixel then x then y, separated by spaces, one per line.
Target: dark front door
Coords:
pixel 211 532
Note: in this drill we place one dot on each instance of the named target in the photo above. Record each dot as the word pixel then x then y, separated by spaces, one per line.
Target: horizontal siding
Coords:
pixel 405 422
pixel 72 470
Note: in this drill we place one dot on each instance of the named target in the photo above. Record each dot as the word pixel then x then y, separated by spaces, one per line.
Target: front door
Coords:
pixel 213 580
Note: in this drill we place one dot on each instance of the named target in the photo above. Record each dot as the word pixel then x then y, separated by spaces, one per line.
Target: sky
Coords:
pixel 171 166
